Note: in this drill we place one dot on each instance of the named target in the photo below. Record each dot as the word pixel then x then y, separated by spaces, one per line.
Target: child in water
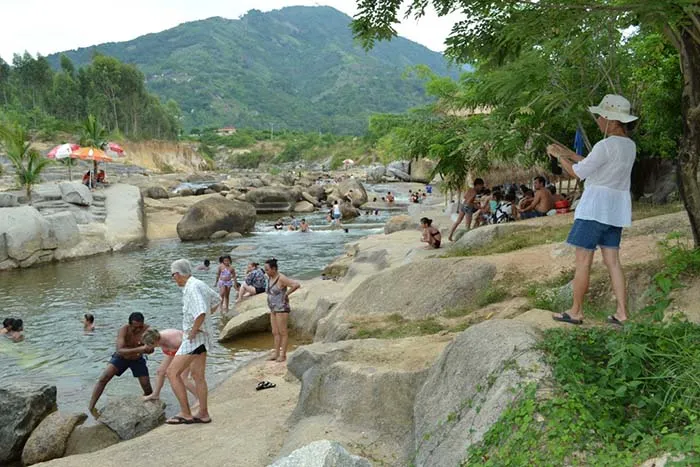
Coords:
pixel 88 322
pixel 225 280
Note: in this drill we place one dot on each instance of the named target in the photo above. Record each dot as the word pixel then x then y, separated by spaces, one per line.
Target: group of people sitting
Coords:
pixel 509 203
pixel 12 328
pixel 90 180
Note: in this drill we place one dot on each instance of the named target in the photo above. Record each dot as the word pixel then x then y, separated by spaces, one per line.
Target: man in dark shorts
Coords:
pixel 129 355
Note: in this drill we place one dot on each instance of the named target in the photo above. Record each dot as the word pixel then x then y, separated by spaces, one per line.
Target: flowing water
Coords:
pixel 53 298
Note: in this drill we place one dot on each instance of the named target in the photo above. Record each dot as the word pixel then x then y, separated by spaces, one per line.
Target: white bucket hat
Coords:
pixel 614 107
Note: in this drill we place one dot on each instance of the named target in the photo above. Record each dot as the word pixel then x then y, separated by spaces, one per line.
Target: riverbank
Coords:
pixel 317 405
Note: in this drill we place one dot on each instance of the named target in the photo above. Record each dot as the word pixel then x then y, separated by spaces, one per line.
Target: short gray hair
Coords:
pixel 182 267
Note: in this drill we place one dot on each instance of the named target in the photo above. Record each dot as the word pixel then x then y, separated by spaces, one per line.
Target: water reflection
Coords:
pixel 53 298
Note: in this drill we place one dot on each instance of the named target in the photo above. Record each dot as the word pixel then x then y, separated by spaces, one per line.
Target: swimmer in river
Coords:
pixel 88 322
pixel 204 266
pixel 15 332
pixel 129 355
pixel 304 226
pixel 279 225
pixel 6 325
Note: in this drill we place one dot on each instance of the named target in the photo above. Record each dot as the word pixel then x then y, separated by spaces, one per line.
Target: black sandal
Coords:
pixel 264 385
pixel 565 318
pixel 615 321
pixel 177 420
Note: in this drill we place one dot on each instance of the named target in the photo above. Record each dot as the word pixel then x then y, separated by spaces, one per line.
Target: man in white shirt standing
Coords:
pixel 198 300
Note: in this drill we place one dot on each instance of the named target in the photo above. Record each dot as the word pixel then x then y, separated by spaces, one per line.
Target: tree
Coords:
pixel 93 135
pixel 27 161
pixel 496 31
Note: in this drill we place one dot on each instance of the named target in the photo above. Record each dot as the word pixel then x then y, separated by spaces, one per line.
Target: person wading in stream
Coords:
pixel 279 288
pixel 198 300
pixel 129 355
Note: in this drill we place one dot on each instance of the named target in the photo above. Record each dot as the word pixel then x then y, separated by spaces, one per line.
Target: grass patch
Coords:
pixel 516 241
pixel 395 326
pixel 645 210
pixel 493 294
pixel 619 398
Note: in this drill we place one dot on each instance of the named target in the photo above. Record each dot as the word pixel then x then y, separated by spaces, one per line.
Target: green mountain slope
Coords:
pixel 296 68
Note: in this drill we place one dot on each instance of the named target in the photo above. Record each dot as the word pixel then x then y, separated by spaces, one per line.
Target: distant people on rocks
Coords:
pixel 254 282
pixel 469 207
pixel 88 322
pixel 198 301
pixel 605 207
pixel 225 280
pixel 541 204
pixel 431 235
pixel 204 266
pixel 129 355
pixel 279 288
pixel 169 341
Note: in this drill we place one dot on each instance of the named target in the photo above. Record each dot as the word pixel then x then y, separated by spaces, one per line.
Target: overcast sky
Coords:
pixel 48 26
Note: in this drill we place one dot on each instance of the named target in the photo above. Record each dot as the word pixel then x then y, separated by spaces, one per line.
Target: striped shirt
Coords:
pixel 197 299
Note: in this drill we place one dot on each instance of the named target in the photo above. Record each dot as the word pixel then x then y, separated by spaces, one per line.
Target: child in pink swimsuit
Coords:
pixel 169 340
pixel 225 280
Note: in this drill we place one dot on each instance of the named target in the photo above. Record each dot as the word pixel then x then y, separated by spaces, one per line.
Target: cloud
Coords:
pixel 46 27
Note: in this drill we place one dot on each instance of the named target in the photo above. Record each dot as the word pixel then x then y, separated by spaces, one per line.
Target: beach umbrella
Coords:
pixel 91 154
pixel 64 151
pixel 115 150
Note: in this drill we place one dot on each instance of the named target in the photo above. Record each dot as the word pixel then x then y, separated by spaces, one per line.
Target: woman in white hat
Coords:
pixel 606 205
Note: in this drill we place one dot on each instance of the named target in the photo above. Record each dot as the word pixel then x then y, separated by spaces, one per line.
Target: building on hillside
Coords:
pixel 226 131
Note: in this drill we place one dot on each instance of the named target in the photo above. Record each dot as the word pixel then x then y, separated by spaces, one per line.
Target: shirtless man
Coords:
pixel 556 197
pixel 129 355
pixel 541 204
pixel 469 207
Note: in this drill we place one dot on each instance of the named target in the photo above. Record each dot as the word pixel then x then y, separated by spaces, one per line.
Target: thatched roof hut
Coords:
pixel 501 173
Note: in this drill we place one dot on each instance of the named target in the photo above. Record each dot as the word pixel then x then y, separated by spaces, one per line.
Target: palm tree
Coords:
pixel 27 161
pixel 93 135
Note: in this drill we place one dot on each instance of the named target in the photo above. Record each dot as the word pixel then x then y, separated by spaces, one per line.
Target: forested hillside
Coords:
pixel 295 68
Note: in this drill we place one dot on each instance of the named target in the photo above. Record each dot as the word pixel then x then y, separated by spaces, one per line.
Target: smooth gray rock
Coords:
pixel 213 214
pixel 395 291
pixel 75 193
pixel 422 170
pixel 353 189
pixel 477 238
pixel 8 200
pixel 321 453
pixel 475 379
pixel 253 317
pixel 304 206
pixel 48 441
pixel 270 194
pixel 398 223
pixel 130 417
pixel 155 192
pixel 63 228
pixel 218 235
pixel 126 219
pixel 25 230
pixel 375 173
pixel 92 438
pixel 22 407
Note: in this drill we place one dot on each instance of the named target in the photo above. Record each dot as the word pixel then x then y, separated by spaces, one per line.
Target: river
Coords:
pixel 52 299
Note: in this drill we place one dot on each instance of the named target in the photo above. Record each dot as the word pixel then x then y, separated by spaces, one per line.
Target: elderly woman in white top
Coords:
pixel 605 207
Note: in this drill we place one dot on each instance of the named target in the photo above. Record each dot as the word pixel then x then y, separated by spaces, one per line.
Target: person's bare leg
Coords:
pixel 275 337
pixel 177 367
pixel 197 369
pixel 460 216
pixel 105 378
pixel 284 336
pixel 160 378
pixel 611 258
pixel 468 221
pixel 145 382
pixel 227 294
pixel 584 258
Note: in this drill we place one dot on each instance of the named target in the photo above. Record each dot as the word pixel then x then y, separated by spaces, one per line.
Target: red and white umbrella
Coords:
pixel 62 151
pixel 115 150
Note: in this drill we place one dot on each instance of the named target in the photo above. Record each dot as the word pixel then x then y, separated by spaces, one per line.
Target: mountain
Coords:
pixel 296 68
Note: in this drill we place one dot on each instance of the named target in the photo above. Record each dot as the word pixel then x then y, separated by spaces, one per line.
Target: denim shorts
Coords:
pixel 588 235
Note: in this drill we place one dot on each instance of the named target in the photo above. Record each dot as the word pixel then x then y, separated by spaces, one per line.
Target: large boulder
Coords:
pixel 271 199
pixel 400 170
pixel 304 206
pixel 125 223
pixel 375 173
pixel 253 317
pixel 467 389
pixel 48 441
pixel 76 193
pixel 321 453
pixel 310 198
pixel 130 417
pixel 317 191
pixel 398 223
pixel 8 200
pixel 477 238
pixel 394 291
pixel 22 408
pixel 348 211
pixel 422 170
pixel 213 214
pixel 353 190
pixel 155 192
pixel 92 438
pixel 26 232
pixel 63 228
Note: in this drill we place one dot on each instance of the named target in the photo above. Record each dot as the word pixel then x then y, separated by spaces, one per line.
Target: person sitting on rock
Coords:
pixel 555 196
pixel 102 177
pixel 88 322
pixel 89 179
pixel 431 235
pixel 254 282
pixel 542 202
pixel 169 340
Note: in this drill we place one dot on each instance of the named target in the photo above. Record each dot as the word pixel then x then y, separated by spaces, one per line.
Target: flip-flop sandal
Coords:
pixel 200 420
pixel 265 385
pixel 615 321
pixel 565 318
pixel 177 420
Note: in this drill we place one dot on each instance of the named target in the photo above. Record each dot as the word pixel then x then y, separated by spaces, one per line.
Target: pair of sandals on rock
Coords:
pixel 566 318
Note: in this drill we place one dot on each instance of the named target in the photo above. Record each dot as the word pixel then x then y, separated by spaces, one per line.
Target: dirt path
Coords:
pixel 247 430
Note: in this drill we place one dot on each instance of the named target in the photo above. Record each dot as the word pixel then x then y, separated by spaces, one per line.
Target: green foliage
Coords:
pixel 516 241
pixel 27 161
pixel 297 68
pixel 93 134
